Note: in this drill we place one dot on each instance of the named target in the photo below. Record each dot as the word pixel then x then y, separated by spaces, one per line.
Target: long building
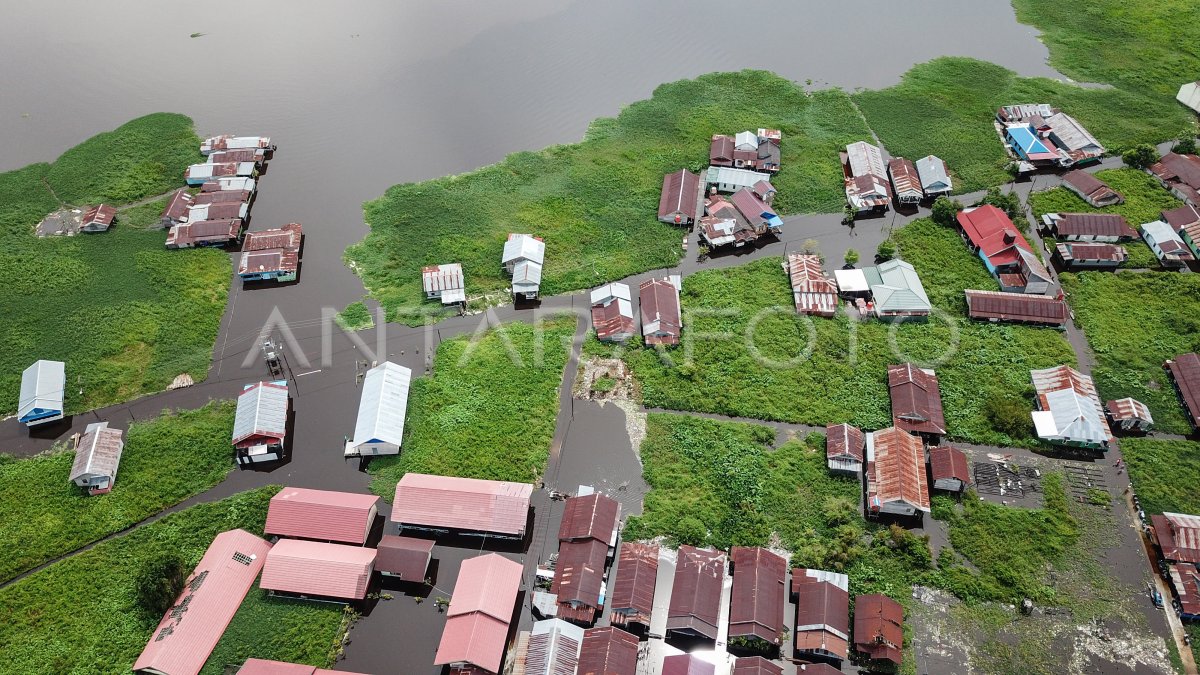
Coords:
pixel 695 605
pixel 916 400
pixel 481 607
pixel 379 428
pixel 632 595
pixel 896 480
pixel 822 628
pixel 43 385
pixel 865 177
pixel 1038 310
pixel 1185 375
pixel 812 291
pixel 318 570
pixel 463 505
pixel 679 199
pixel 322 515
pixel 608 651
pixel 879 628
pixel 757 599
pixel 662 317
pixel 1177 536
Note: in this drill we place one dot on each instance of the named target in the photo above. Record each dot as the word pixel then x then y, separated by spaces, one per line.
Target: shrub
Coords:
pixel 1140 156
pixel 885 251
pixel 851 257
pixel 1186 146
pixel 1008 202
pixel 1009 415
pixel 945 211
pixel 158 583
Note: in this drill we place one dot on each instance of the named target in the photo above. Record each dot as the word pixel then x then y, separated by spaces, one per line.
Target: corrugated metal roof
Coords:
pixel 755 665
pixel 201 172
pixel 318 568
pixel 523 247
pixel 593 516
pixel 756 601
pixel 720 150
pixel 177 205
pixel 661 315
pixel 440 278
pixel 687 664
pixel 933 174
pixel 527 275
pixel 553 648
pixel 264 667
pixel 1072 135
pixel 462 503
pixel 866 160
pixel 1177 536
pixel 812 291
pixel 321 514
pixel 905 180
pixel 1073 251
pixel 98 452
pixel 219 232
pixel 947 462
pixel 187 633
pixel 231 142
pixel 237 183
pixel 993 233
pixel 261 414
pixel 1185 578
pixel 822 611
pixel 637 575
pixel 843 441
pixel 404 557
pixel 1178 168
pixel 878 627
pixel 100 214
pixel 680 192
pixel 1073 405
pixel 42 387
pixel 1185 373
pixel 614 320
pixel 275 250
pixel 735 179
pixel 696 593
pixel 1157 233
pixel 608 651
pixel 899 289
pixel 481 607
pixel 579 573
pixel 383 404
pixel 896 470
pixel 1129 409
pixel 1093 225
pixel 1091 189
pixel 218 211
pixel 240 155
pixel 1018 307
pixel 753 209
pixel 1181 217
pixel 916 399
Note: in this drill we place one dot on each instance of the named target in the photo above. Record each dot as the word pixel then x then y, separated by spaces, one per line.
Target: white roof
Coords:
pixel 235 183
pixel 443 278
pixel 739 178
pixel 527 274
pixel 261 410
pixel 383 404
pixel 42 386
pixel 1189 95
pixel 865 160
pixel 1159 232
pixel 851 281
pixel 932 172
pixel 1071 133
pixel 198 213
pixel 1071 417
pixel 523 247
pixel 206 170
pixel 746 138
pixel 553 644
pixel 608 292
pixel 98 452
pixel 901 289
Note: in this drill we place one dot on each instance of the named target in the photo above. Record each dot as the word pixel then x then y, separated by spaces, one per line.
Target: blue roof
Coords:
pixel 1027 142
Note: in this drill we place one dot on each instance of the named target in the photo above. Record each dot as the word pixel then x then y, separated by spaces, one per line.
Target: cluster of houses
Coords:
pixel 1040 136
pixel 522 259
pixel 658 300
pixel 872 184
pixel 889 291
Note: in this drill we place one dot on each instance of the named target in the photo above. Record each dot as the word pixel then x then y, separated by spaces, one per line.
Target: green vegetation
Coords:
pixel 1135 322
pixel 488 410
pixel 946 107
pixel 165 460
pixel 356 316
pixel 595 202
pixel 1164 473
pixel 159 582
pixel 1140 156
pixel 50 628
pixel 127 315
pixel 281 629
pixel 759 369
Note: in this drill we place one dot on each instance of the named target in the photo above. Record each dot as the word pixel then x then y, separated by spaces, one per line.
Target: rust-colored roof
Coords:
pixel 904 177
pixel 843 441
pixel 608 651
pixel 187 633
pixel 1093 224
pixel 720 151
pixel 660 306
pixel 812 291
pixel 221 197
pixel 1178 536
pixel 756 601
pixel 1181 217
pixel 680 192
pixel 177 205
pixel 946 462
pixel 579 572
pixel 481 607
pixel 318 568
pixel 1016 307
pixel 637 574
pixel 468 504
pixel 1128 409
pixel 593 516
pixel 325 515
pixel 687 664
pixel 1186 580
pixel 755 665
pixel 822 612
pixel 1177 168
pixel 204 232
pixel 897 471
pixel 1185 372
pixel 265 667
pixel 878 627
pixel 243 155
pixel 101 214
pixel 610 321
pixel 916 399
pixel 1079 416
pixel 696 593
pixel 404 557
pixel 1071 251
pixel 1091 187
pixel 276 250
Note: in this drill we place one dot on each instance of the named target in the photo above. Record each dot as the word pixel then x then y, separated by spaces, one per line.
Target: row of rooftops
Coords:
pixel 867 178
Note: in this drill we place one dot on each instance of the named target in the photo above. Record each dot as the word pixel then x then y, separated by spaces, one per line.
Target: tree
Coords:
pixel 1008 415
pixel 848 214
pixel 159 583
pixel 851 257
pixel 886 251
pixel 1008 202
pixel 1186 146
pixel 945 211
pixel 1140 156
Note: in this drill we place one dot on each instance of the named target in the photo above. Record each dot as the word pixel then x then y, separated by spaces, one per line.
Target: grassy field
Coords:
pixel 765 376
pixel 1135 322
pixel 1145 200
pixel 1164 473
pixel 595 202
pixel 300 631
pixel 43 515
pixel 49 629
pixel 107 304
pixel 946 107
pixel 482 414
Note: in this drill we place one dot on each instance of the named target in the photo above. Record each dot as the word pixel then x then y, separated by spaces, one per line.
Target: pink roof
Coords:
pixel 188 631
pixel 321 514
pixel 317 568
pixel 265 667
pixel 462 503
pixel 481 606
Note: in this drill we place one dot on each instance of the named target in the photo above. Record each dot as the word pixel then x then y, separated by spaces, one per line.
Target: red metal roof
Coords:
pixel 1181 217
pixel 660 303
pixel 686 664
pixel 318 568
pixel 1016 307
pixel 182 641
pixel 916 399
pixel 579 574
pixel 609 321
pixel 755 665
pixel 720 150
pixel 1091 188
pixel 1185 372
pixel 481 606
pixel 632 591
pixel 1177 168
pixel 680 194
pixel 177 206
pixel 822 612
pixel 990 230
pixel 1127 409
pixel 592 516
pixel 946 462
pixel 321 514
pixel 812 291
pixel 608 651
pixel 237 156
pixel 275 250
pixel 1178 536
pixel 1185 579
pixel 696 593
pixel 843 441
pixel 218 232
pixel 1093 225
pixel 101 214
pixel 404 557
pixel 879 627
pixel 265 667
pixel 754 210
pixel 756 601
pixel 466 504
pixel 904 177
pixel 1071 251
pixel 897 473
